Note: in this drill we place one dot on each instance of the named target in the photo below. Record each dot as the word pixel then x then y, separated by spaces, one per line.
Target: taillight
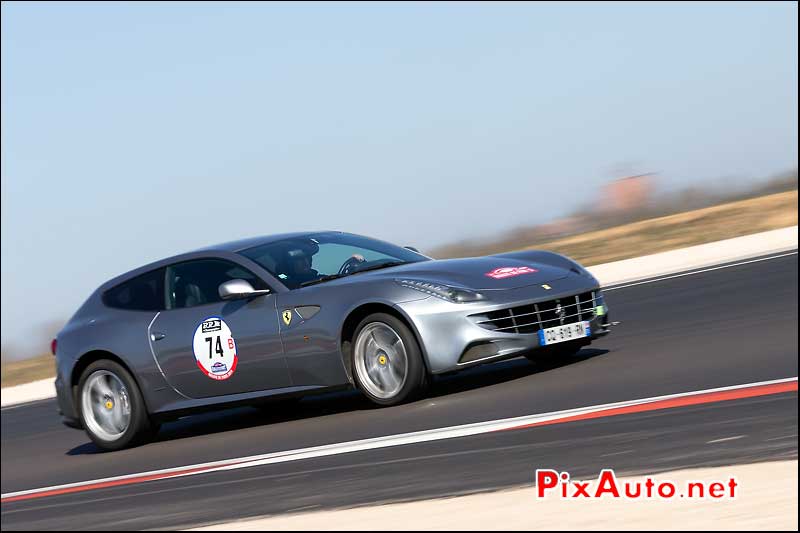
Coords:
pixel 53 345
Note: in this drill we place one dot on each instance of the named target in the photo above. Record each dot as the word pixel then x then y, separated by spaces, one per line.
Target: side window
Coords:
pixel 142 293
pixel 197 282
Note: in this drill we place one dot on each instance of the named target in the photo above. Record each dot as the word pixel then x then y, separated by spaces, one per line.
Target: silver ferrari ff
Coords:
pixel 290 315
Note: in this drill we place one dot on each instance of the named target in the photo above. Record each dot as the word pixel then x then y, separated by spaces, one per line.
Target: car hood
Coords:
pixel 479 273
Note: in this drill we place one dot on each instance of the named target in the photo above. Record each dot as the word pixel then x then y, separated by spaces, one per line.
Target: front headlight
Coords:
pixel 445 292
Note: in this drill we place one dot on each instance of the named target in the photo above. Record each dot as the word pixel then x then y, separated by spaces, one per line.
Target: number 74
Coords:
pixel 218 348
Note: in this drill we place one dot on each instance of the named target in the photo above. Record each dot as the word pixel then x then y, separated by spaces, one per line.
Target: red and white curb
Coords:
pixel 670 401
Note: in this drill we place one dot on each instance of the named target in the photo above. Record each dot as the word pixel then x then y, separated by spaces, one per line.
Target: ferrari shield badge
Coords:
pixel 287 317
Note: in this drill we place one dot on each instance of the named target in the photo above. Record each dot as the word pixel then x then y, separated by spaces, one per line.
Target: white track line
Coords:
pixel 693 272
pixel 726 439
pixel 385 441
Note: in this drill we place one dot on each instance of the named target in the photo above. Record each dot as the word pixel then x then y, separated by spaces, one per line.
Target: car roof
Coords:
pixel 230 247
pixel 243 244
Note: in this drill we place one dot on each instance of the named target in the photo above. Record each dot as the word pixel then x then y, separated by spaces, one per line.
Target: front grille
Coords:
pixel 530 318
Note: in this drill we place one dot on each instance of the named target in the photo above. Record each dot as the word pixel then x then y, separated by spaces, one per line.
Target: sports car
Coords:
pixel 285 316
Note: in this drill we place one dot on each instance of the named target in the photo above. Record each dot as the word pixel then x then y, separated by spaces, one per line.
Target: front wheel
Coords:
pixel 111 407
pixel 387 360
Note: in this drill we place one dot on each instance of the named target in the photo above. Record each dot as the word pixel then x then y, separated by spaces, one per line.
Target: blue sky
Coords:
pixel 135 131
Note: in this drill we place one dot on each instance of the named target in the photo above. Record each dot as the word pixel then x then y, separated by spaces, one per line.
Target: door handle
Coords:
pixel 156 336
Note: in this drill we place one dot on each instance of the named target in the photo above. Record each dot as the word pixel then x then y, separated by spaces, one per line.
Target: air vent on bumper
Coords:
pixel 530 318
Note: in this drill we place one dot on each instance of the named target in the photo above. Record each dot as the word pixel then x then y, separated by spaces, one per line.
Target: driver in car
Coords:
pixel 298 267
pixel 300 270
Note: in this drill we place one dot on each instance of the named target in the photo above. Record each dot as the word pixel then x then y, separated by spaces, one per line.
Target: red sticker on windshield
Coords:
pixel 508 272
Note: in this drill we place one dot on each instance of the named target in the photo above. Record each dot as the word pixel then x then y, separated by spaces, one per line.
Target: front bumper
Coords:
pixel 452 338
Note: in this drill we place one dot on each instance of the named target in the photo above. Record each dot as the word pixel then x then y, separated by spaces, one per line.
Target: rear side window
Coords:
pixel 197 282
pixel 142 293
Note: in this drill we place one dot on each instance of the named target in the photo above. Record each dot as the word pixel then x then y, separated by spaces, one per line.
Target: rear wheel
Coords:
pixel 111 406
pixel 387 360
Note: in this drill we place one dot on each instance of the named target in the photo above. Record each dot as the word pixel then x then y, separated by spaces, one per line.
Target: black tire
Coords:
pixel 139 428
pixel 416 379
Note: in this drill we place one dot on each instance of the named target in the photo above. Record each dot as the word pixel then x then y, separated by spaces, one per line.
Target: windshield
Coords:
pixel 306 260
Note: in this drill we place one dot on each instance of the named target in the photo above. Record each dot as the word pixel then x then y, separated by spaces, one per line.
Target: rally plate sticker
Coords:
pixel 215 349
pixel 508 272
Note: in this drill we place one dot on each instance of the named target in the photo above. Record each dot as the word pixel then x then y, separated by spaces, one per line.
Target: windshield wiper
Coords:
pixel 322 279
pixel 379 266
pixel 365 269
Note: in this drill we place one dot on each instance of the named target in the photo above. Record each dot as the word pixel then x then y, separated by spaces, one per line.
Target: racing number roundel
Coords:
pixel 215 349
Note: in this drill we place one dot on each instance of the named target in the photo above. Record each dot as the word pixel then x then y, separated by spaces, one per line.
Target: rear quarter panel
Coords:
pixel 123 334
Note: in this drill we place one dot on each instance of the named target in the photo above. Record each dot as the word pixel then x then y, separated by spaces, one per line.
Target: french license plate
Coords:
pixel 564 333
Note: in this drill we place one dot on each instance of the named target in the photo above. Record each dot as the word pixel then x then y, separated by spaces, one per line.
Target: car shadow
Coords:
pixel 332 403
pixel 503 371
pixel 87 448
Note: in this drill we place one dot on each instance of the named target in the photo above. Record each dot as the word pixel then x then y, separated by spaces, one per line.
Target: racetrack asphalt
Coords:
pixel 713 329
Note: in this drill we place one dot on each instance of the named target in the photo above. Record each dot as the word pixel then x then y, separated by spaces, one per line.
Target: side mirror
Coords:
pixel 236 289
pixel 412 249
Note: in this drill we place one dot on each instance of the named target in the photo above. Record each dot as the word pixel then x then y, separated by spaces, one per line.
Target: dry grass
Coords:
pixel 27 370
pixel 678 231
